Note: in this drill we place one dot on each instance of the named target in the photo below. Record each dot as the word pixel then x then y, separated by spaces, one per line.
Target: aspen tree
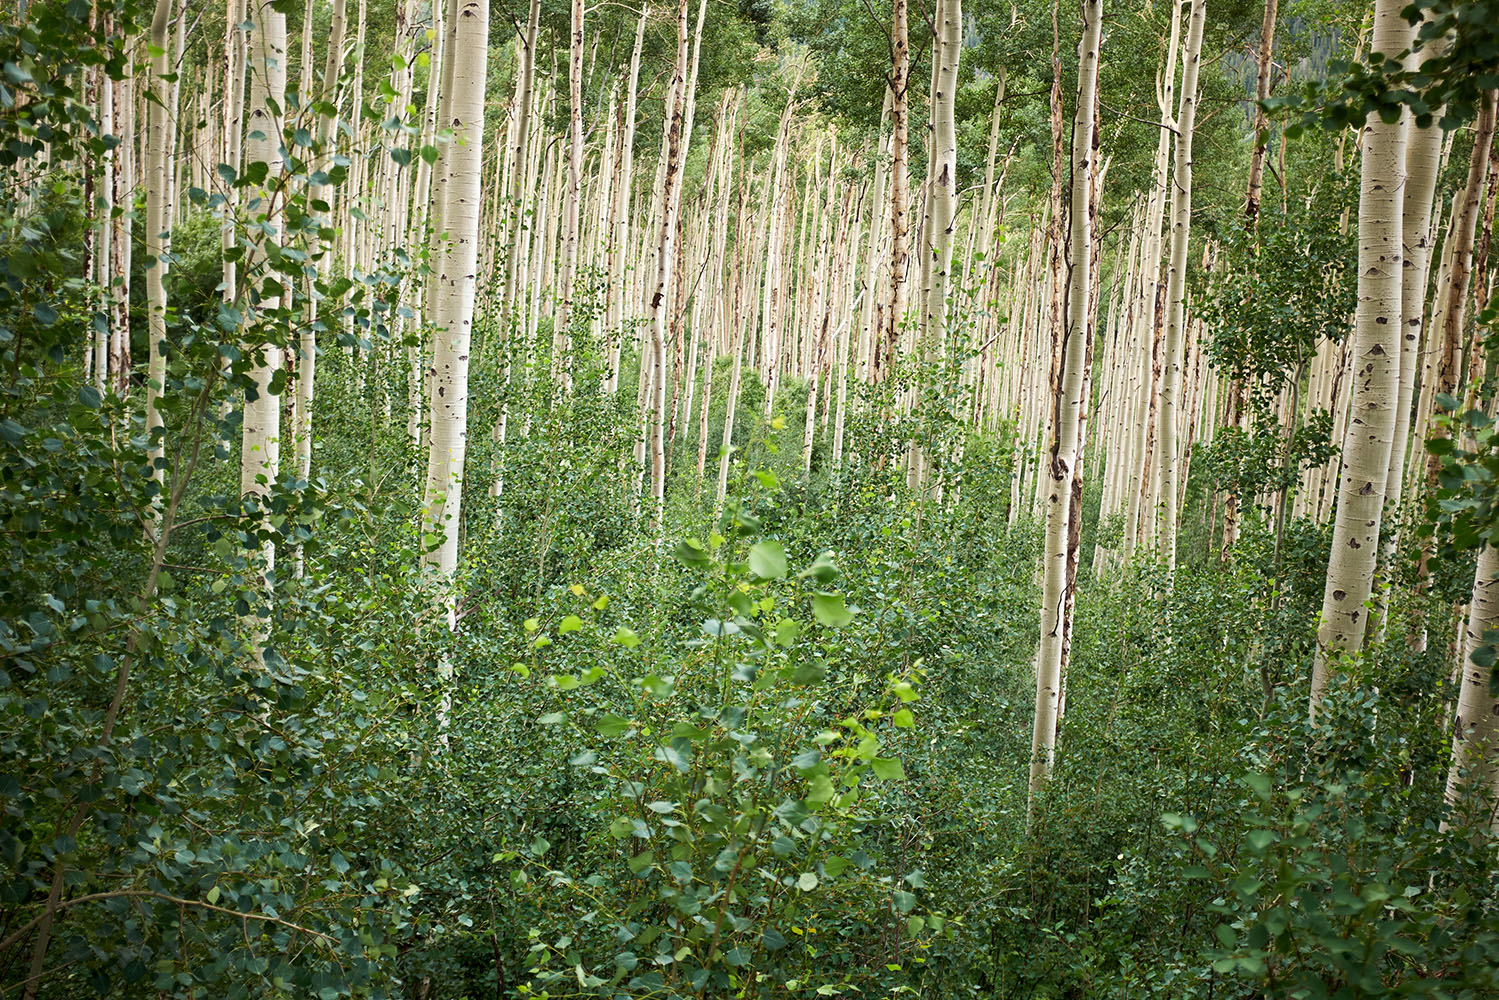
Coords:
pixel 307 343
pixel 455 272
pixel 123 196
pixel 1451 310
pixel 103 256
pixel 233 123
pixel 665 261
pixel 619 213
pixel 773 310
pixel 1264 64
pixel 1423 149
pixel 260 441
pixel 1367 441
pixel 574 190
pixel 942 196
pixel 1475 728
pixel 158 224
pixel 1066 404
pixel 900 57
pixel 747 238
pixel 1176 289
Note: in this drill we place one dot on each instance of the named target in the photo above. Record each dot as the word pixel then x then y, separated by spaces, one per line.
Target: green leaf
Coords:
pixel 626 637
pixel 767 560
pixel 690 552
pixel 823 568
pixel 807 881
pixel 903 719
pixel 569 624
pixel 830 610
pixel 888 769
pixel 610 726
pixel 787 629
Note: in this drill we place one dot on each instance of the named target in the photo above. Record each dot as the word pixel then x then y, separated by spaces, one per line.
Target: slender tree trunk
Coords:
pixel 665 262
pixel 1264 63
pixel 900 195
pixel 1176 289
pixel 619 236
pixel 562 339
pixel 260 461
pixel 1475 729
pixel 158 226
pixel 1067 404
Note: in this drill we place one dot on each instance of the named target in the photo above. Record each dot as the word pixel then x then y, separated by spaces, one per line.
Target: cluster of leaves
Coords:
pixel 1332 879
pixel 1456 65
pixel 739 795
pixel 1281 288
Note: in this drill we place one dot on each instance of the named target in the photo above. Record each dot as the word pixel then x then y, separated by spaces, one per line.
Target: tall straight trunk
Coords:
pixel 1176 289
pixel 900 194
pixel 1264 64
pixel 1152 296
pixel 120 242
pixel 944 172
pixel 1371 426
pixel 233 126
pixel 307 344
pixel 456 267
pixel 1475 728
pixel 746 239
pixel 158 225
pixel 665 262
pixel 773 309
pixel 619 236
pixel 260 459
pixel 1422 151
pixel 1067 405
pixel 574 193
pixel 103 251
pixel 1451 312
pixel 524 75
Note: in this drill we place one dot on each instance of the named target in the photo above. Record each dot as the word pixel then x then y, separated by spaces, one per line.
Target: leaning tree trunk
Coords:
pixel 1067 404
pixel 1371 425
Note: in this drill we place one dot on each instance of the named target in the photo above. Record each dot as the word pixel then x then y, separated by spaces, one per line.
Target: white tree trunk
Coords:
pixel 1176 290
pixel 1067 404
pixel 456 268
pixel 1371 427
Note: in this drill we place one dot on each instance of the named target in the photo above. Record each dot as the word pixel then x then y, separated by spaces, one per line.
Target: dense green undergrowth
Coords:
pixel 780 754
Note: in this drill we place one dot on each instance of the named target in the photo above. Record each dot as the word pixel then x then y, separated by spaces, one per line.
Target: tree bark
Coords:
pixel 1371 426
pixel 1067 403
pixel 1176 290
